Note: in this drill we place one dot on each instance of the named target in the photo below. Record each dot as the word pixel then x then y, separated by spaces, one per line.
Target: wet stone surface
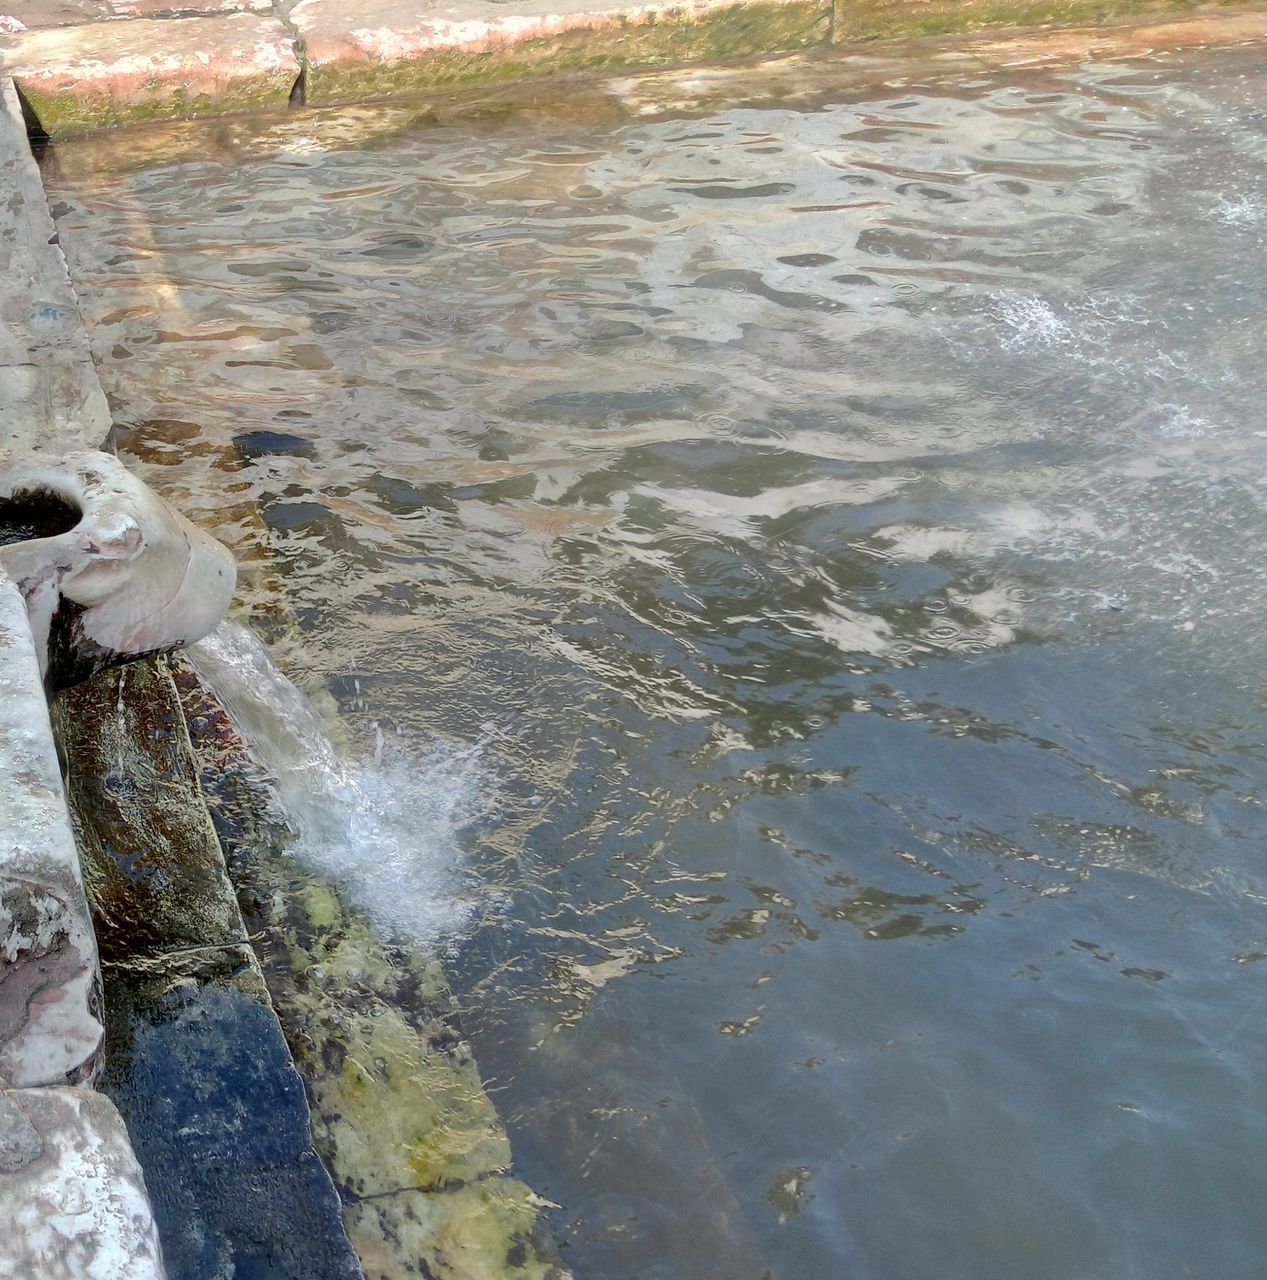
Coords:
pixel 194 1056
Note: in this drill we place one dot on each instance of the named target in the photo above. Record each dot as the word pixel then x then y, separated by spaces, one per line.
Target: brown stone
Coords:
pixel 79 78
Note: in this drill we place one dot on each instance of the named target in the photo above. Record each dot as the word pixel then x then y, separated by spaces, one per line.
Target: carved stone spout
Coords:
pixel 108 570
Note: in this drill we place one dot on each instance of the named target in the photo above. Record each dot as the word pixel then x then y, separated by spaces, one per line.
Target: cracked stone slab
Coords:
pixel 108 73
pixel 72 1196
pixel 372 48
pixel 50 1032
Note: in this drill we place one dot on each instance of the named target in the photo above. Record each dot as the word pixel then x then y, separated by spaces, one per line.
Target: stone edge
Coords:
pixel 327 65
pixel 72 1196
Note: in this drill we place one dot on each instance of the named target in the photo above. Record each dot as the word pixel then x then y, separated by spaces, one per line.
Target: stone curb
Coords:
pixel 119 72
pixel 123 61
pixel 405 47
pixel 50 1031
pixel 72 1197
pixel 47 378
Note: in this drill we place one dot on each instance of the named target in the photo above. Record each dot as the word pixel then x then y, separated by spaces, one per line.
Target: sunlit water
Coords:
pixel 809 562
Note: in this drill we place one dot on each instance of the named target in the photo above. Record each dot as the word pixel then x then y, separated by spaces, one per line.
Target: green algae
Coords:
pixel 854 21
pixel 66 113
pixel 614 45
pixel 400 1115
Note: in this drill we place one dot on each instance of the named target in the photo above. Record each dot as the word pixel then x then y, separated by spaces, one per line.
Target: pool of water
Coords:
pixel 830 538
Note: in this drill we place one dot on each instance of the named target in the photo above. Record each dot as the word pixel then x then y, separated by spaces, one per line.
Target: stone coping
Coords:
pixel 88 64
pixel 72 1197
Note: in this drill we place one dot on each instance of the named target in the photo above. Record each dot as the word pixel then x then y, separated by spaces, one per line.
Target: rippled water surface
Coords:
pixel 833 537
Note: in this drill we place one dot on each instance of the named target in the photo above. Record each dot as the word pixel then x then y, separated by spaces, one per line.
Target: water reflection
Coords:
pixel 840 525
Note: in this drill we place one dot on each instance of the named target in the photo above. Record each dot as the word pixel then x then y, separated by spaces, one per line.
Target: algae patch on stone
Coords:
pixel 602 44
pixel 399 1112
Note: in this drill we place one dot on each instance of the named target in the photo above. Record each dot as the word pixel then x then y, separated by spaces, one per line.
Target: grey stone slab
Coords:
pixel 49 1029
pixel 72 1196
pixel 50 396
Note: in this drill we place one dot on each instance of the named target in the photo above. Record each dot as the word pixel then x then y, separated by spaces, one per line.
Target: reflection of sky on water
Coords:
pixel 842 529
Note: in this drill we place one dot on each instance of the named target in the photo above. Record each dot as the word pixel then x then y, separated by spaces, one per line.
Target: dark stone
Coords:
pixel 219 1119
pixel 267 444
pixel 195 1059
pixel 20 1142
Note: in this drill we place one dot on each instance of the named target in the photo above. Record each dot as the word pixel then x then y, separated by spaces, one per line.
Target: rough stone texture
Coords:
pixel 400 1114
pixel 50 397
pixel 34 14
pixel 54 13
pixel 108 73
pixel 72 1198
pixel 49 1029
pixel 184 8
pixel 195 1057
pixel 366 48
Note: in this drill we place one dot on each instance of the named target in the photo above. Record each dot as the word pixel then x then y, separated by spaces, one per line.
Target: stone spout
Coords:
pixel 108 570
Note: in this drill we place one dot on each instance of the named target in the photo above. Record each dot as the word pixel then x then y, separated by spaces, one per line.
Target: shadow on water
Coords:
pixel 836 532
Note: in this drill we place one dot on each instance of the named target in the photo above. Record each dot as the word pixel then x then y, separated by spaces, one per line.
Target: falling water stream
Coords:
pixel 790 573
pixel 387 830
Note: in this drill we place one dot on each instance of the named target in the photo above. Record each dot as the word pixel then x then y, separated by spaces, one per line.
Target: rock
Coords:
pixel 374 48
pixel 195 1057
pixel 400 1114
pixel 50 397
pixel 72 1197
pixel 108 73
pixel 108 570
pixel 50 1032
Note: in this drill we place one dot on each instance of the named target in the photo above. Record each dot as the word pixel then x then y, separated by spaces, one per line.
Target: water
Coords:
pixel 386 830
pixel 821 544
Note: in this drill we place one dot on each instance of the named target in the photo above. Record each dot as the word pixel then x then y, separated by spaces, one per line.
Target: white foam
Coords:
pixel 1239 211
pixel 385 829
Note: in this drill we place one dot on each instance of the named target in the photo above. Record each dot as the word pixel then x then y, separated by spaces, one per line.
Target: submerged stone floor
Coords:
pixel 85 64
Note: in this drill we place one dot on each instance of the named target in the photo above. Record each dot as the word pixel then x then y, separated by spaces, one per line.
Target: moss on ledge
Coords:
pixel 62 113
pixel 860 20
pixel 601 45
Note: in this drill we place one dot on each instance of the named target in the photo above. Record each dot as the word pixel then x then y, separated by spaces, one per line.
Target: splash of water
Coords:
pixel 386 829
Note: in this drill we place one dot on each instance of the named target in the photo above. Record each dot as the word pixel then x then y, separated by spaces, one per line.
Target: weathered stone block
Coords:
pixel 49 1029
pixel 72 1197
pixel 50 396
pixel 195 1057
pixel 55 13
pixel 361 49
pixel 78 78
pixel 185 8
